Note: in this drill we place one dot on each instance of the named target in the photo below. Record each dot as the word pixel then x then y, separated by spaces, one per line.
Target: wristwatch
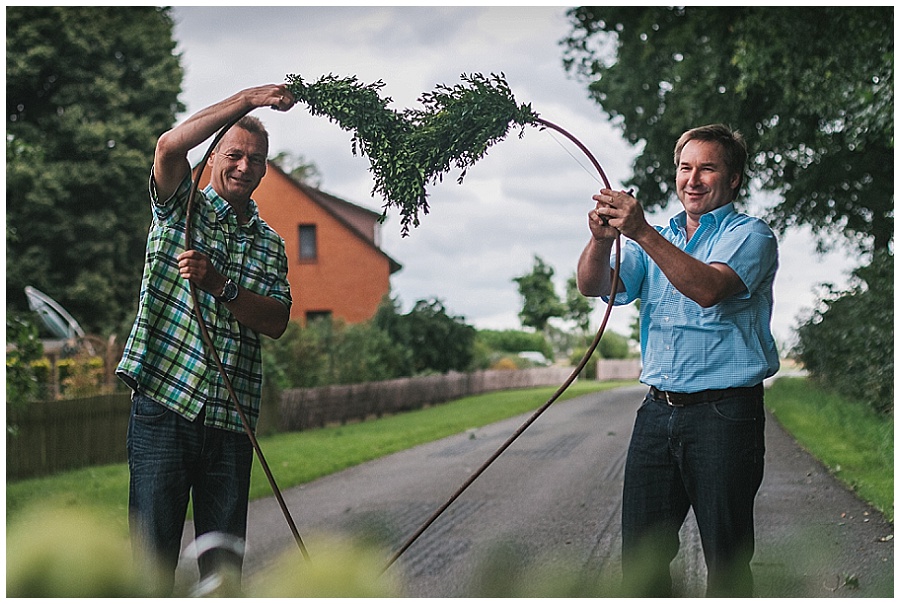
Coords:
pixel 229 292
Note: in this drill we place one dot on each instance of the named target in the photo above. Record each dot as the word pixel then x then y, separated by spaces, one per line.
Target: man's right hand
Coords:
pixel 170 163
pixel 598 222
pixel 276 96
pixel 623 213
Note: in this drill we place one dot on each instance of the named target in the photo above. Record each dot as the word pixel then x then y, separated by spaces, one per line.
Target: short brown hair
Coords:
pixel 734 147
pixel 253 125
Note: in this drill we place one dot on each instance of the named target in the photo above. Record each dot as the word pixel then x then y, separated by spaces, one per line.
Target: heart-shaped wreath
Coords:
pixel 413 148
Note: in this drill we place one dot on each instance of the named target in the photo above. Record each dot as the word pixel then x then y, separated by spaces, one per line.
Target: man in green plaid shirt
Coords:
pixel 185 440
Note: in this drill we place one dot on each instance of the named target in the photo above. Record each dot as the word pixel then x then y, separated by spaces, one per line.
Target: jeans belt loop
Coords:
pixel 669 400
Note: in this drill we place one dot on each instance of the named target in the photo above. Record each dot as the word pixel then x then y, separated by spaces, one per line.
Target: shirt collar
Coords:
pixel 714 217
pixel 223 209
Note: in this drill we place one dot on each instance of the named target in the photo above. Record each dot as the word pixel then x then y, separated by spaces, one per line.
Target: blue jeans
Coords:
pixel 708 457
pixel 171 460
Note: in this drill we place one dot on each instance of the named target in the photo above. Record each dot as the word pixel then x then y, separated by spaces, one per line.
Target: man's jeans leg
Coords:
pixel 220 495
pixel 172 459
pixel 654 505
pixel 724 457
pixel 160 443
pixel 709 457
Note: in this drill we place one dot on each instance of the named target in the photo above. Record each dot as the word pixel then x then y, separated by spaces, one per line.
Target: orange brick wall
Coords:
pixel 350 277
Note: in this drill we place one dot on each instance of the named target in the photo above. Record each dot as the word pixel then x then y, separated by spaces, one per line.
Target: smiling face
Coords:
pixel 238 165
pixel 703 181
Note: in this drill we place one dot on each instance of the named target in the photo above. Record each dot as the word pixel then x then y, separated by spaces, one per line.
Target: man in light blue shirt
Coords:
pixel 705 286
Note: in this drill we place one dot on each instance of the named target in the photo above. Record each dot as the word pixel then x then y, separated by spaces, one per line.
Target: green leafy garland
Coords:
pixel 413 148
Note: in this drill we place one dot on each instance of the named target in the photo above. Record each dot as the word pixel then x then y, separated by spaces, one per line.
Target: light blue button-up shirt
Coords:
pixel 688 348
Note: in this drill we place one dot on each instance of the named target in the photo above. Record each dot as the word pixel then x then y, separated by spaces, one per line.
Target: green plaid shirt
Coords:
pixel 165 357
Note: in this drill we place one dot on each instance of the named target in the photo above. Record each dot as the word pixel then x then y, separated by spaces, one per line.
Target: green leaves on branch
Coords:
pixel 413 148
pixel 847 343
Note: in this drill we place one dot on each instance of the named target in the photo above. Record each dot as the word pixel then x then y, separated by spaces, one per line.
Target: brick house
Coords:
pixel 335 265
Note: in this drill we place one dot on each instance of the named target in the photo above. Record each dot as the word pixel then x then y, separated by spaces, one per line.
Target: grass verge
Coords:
pixel 298 457
pixel 854 442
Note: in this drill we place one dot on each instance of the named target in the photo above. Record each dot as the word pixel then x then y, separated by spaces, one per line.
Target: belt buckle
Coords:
pixel 669 400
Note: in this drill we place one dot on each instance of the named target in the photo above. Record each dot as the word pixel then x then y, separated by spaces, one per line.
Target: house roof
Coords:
pixel 361 221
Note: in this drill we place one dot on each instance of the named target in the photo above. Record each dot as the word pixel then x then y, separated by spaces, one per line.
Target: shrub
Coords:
pixel 81 375
pixel 511 340
pixel 847 345
pixel 327 352
pixel 23 350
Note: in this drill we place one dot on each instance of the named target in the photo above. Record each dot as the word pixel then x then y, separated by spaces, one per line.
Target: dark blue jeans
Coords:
pixel 708 457
pixel 171 460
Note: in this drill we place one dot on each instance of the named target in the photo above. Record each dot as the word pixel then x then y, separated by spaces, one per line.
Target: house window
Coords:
pixel 313 316
pixel 308 244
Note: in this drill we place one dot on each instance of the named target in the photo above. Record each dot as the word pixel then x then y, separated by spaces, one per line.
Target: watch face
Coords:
pixel 230 292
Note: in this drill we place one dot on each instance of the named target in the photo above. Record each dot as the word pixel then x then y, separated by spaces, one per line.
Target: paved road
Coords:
pixel 554 497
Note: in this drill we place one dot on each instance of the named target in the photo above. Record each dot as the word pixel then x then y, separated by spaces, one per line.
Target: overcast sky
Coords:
pixel 529 197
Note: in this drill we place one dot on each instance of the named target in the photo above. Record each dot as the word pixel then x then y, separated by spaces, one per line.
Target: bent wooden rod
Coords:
pixel 214 355
pixel 559 391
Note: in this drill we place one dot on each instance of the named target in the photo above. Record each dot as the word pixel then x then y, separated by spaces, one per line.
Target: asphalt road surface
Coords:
pixel 553 500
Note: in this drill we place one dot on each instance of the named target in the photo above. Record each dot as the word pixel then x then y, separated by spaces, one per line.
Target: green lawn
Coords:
pixel 853 441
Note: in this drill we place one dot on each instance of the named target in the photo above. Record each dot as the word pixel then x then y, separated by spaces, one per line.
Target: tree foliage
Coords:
pixel 23 348
pixel 390 345
pixel 515 341
pixel 298 167
pixel 540 302
pixel 848 343
pixel 325 353
pixel 436 341
pixel 578 306
pixel 88 91
pixel 811 89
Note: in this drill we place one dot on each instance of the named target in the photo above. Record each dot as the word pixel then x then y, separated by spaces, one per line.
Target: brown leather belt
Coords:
pixel 680 399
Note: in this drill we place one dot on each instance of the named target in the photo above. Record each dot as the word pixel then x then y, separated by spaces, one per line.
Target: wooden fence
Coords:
pixel 305 408
pixel 54 436
pixel 618 369
pixel 62 435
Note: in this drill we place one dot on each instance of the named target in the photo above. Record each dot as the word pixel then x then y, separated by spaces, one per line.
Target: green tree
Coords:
pixel 611 346
pixel 515 341
pixel 365 353
pixel 298 167
pixel 331 352
pixel 811 88
pixel 436 340
pixel 848 342
pixel 88 91
pixel 578 307
pixel 23 348
pixel 540 300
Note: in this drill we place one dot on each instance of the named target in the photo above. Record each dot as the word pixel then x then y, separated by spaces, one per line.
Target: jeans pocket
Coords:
pixel 740 410
pixel 146 409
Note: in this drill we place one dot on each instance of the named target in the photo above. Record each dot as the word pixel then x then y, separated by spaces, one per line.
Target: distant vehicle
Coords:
pixel 535 357
pixel 55 318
